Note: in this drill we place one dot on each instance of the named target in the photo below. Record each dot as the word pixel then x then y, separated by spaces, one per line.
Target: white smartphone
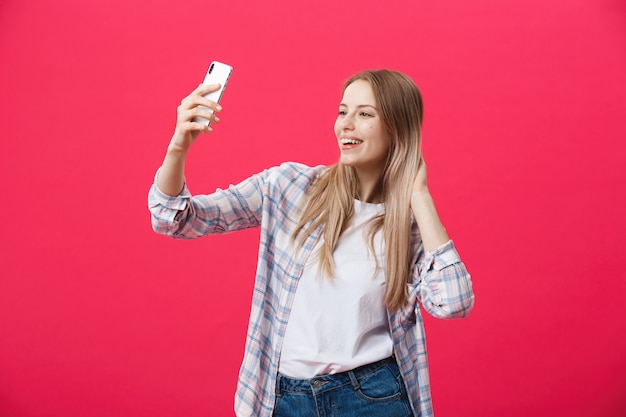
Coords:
pixel 218 73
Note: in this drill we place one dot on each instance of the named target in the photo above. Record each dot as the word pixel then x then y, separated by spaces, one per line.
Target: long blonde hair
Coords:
pixel 330 200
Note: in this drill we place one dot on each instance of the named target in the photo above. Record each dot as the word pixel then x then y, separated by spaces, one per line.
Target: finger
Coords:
pixel 196 101
pixel 204 89
pixel 209 104
pixel 199 126
pixel 199 121
pixel 206 128
pixel 190 110
pixel 203 112
pixel 200 91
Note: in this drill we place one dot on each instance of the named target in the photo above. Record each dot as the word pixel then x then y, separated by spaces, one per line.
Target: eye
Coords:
pixel 342 112
pixel 365 114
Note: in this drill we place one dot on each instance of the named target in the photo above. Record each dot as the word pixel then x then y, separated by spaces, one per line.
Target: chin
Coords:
pixel 347 162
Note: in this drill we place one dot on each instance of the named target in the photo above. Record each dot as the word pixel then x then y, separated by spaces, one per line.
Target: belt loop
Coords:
pixel 355 382
pixel 278 389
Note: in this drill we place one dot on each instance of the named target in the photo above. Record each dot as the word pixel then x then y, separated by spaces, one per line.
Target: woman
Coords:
pixel 347 252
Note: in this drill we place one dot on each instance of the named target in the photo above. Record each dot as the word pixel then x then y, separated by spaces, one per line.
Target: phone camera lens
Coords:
pixel 211 68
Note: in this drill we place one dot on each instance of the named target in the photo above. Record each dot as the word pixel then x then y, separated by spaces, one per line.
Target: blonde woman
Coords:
pixel 347 254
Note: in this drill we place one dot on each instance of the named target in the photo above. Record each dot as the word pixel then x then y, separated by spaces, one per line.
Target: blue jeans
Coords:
pixel 376 389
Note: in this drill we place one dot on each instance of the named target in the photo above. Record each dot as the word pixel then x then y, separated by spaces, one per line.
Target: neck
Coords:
pixel 370 187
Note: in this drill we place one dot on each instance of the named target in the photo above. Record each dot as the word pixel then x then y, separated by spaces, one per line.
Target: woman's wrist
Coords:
pixel 176 151
pixel 177 147
pixel 421 193
pixel 432 231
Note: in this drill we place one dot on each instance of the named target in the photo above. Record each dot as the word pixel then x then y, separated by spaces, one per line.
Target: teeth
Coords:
pixel 351 141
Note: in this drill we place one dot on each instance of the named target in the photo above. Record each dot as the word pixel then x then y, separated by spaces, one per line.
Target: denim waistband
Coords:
pixel 330 381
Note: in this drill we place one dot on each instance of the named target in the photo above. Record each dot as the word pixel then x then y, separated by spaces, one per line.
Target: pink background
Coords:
pixel 525 139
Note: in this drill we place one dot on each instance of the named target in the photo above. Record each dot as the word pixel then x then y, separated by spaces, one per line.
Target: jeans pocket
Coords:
pixel 380 386
pixel 294 405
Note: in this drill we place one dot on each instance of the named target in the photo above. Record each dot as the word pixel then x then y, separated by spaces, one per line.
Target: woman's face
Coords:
pixel 363 141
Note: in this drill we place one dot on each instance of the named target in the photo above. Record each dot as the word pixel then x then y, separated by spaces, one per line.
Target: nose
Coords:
pixel 346 122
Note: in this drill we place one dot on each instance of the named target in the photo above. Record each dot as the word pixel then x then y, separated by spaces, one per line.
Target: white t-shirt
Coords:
pixel 338 324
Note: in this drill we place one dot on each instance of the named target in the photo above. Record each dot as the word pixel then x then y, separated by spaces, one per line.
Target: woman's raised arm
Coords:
pixel 172 173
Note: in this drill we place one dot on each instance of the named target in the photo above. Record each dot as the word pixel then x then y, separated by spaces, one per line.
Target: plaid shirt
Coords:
pixel 270 200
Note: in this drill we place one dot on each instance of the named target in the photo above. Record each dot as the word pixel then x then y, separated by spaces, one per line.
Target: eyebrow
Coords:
pixel 360 106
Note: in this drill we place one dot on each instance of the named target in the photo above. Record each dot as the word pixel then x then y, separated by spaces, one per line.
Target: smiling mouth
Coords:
pixel 347 141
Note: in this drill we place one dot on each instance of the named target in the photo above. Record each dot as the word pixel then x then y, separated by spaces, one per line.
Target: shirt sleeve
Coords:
pixel 186 217
pixel 442 284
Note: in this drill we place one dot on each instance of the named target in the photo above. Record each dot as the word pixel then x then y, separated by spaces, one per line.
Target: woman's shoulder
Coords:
pixel 295 172
pixel 290 180
pixel 299 167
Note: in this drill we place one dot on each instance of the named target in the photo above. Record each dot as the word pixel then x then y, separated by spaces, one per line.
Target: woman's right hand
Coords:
pixel 192 106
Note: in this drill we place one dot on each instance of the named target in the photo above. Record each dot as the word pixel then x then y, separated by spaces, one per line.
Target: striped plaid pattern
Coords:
pixel 270 200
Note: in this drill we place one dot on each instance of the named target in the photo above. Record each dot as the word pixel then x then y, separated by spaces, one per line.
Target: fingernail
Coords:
pixel 218 108
pixel 217 119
